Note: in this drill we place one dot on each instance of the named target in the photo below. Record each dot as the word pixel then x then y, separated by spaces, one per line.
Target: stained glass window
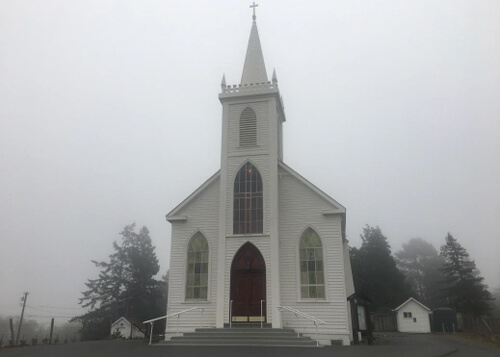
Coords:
pixel 312 275
pixel 197 268
pixel 248 202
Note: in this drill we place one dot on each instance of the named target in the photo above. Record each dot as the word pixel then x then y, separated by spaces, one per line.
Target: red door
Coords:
pixel 248 285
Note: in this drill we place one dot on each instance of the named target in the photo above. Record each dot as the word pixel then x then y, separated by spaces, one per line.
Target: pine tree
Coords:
pixel 421 263
pixel 463 286
pixel 125 286
pixel 375 272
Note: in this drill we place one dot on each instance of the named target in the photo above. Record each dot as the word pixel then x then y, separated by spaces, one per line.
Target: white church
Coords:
pixel 257 242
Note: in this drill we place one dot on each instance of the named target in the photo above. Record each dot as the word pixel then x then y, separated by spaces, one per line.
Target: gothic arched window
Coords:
pixel 248 128
pixel 197 268
pixel 247 202
pixel 312 275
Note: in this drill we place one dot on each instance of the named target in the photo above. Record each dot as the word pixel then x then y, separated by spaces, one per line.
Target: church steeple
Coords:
pixel 254 70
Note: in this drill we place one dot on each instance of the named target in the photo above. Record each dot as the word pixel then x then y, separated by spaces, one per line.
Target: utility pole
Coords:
pixel 12 335
pixel 22 314
pixel 51 330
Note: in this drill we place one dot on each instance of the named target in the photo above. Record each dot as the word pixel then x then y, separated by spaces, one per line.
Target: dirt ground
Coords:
pixel 489 340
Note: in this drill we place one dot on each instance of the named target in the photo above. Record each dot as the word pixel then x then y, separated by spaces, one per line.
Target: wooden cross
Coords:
pixel 253 6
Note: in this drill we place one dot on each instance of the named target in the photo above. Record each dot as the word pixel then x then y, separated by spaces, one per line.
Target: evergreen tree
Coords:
pixel 496 303
pixel 421 264
pixel 463 286
pixel 375 272
pixel 125 286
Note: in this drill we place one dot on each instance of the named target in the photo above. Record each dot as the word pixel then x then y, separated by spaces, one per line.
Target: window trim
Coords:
pixel 262 196
pixel 209 273
pixel 324 299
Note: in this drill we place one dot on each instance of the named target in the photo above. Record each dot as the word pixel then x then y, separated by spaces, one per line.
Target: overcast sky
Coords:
pixel 109 114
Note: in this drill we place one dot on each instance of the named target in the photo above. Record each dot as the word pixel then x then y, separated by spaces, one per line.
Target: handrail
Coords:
pixel 174 314
pixel 302 314
pixel 298 313
pixel 231 314
pixel 152 321
pixel 261 319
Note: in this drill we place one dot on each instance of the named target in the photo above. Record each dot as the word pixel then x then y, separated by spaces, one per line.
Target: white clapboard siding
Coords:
pixel 419 320
pixel 201 216
pixel 301 207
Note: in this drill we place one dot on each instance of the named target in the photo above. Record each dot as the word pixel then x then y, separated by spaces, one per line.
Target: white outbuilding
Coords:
pixel 413 317
pixel 126 329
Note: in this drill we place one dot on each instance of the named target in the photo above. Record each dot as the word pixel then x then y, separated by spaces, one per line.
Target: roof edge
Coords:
pixel 172 215
pixel 341 209
pixel 414 300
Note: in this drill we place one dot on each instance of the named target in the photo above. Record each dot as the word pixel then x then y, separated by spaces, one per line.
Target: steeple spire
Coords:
pixel 254 70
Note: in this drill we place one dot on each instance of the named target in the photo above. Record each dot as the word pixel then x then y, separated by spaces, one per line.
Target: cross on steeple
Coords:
pixel 253 6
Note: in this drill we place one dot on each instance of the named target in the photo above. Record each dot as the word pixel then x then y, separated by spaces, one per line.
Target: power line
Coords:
pixel 52 316
pixel 63 308
pixel 56 307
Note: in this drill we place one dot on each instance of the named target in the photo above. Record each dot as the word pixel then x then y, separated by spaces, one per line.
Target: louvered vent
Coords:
pixel 248 128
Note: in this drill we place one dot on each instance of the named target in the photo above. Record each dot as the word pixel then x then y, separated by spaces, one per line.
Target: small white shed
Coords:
pixel 413 317
pixel 126 328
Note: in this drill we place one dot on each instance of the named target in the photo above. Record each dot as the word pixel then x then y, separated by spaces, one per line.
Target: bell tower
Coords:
pixel 252 118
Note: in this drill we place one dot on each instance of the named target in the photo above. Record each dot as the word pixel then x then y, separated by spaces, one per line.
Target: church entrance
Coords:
pixel 248 285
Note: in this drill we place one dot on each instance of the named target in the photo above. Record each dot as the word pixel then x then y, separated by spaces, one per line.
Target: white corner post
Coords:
pixel 274 215
pixel 221 255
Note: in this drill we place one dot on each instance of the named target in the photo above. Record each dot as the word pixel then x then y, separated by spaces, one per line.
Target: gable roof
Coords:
pixel 172 215
pixel 339 207
pixel 414 300
pixel 131 321
pixel 121 318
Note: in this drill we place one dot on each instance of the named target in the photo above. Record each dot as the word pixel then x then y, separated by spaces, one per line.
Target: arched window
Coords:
pixel 248 128
pixel 312 275
pixel 247 202
pixel 197 268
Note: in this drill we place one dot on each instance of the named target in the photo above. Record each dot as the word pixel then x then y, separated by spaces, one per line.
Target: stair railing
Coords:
pixel 231 314
pixel 261 319
pixel 298 314
pixel 178 314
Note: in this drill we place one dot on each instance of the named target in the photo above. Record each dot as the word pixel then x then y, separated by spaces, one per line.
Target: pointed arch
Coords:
pixel 248 201
pixel 248 257
pixel 248 128
pixel 248 285
pixel 312 272
pixel 197 268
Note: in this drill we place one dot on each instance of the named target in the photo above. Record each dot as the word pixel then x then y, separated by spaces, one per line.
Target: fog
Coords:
pixel 109 114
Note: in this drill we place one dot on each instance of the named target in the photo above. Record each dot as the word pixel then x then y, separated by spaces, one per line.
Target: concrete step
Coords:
pixel 266 331
pixel 247 325
pixel 241 336
pixel 242 343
